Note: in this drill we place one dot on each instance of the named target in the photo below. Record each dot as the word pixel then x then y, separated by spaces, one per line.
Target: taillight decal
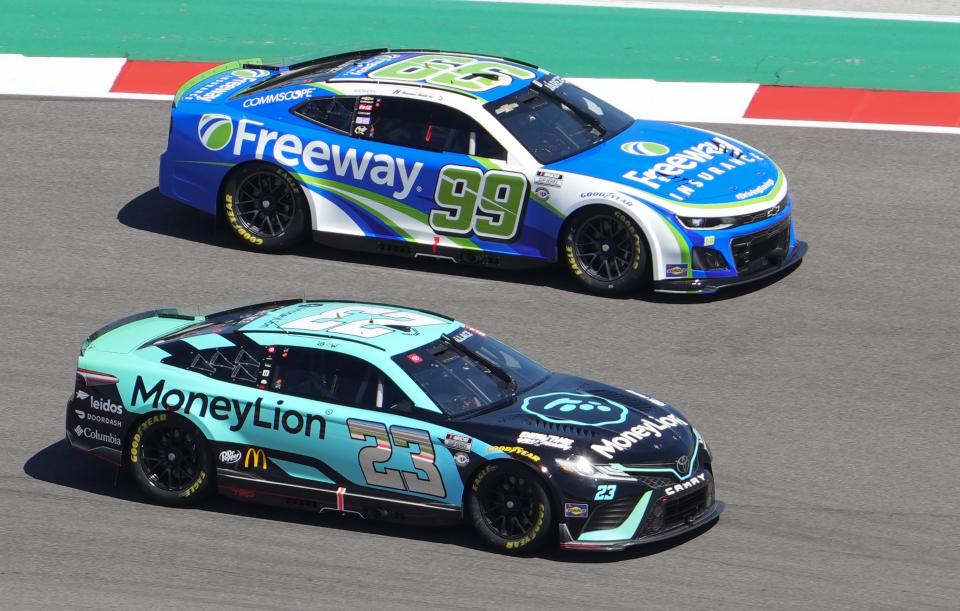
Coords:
pixel 96 378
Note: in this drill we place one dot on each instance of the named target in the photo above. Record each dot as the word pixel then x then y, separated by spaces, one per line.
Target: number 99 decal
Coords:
pixel 425 477
pixel 489 205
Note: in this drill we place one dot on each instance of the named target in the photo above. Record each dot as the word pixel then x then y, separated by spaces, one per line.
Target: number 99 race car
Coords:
pixel 386 413
pixel 477 160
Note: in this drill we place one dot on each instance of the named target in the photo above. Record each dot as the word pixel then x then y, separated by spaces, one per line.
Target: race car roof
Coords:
pixel 390 328
pixel 483 77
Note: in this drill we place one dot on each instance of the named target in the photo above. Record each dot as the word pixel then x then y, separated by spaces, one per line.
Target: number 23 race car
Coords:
pixel 477 160
pixel 387 413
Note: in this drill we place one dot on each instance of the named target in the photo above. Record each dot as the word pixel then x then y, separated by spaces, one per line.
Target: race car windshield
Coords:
pixel 554 119
pixel 467 372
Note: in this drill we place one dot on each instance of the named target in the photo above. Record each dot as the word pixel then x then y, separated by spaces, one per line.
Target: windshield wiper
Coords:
pixel 583 115
pixel 501 373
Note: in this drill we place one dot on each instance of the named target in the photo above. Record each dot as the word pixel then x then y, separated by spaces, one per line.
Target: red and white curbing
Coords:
pixel 932 112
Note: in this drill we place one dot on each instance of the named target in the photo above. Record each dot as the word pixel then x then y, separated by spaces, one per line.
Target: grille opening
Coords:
pixel 757 251
pixel 610 515
pixel 677 511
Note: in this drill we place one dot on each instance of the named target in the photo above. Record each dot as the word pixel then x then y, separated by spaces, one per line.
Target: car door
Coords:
pixel 464 199
pixel 371 438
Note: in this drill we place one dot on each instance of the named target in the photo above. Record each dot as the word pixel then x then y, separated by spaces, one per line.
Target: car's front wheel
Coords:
pixel 265 207
pixel 606 251
pixel 170 459
pixel 510 508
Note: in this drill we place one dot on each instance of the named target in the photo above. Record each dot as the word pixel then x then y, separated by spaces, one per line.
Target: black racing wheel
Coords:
pixel 606 252
pixel 265 207
pixel 170 459
pixel 509 507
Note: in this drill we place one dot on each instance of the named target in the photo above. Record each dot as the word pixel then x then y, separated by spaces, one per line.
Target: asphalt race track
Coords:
pixel 828 395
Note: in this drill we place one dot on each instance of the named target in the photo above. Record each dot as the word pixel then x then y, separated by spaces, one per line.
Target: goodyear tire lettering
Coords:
pixel 135 441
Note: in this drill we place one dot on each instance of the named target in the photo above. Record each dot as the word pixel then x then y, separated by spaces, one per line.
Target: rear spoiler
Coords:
pixel 126 320
pixel 255 62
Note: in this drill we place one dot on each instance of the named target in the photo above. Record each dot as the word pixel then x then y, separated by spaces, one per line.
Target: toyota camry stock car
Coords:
pixel 388 413
pixel 477 160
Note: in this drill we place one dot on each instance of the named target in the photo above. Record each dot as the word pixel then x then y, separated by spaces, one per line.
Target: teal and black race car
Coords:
pixel 388 413
pixel 477 160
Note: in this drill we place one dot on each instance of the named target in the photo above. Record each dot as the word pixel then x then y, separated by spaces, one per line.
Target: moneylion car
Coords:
pixel 387 413
pixel 477 160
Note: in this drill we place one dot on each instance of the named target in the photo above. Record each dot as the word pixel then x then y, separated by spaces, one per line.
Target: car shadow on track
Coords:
pixel 153 212
pixel 61 465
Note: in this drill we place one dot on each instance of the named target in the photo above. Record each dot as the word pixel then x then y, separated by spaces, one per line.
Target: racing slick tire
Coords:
pixel 265 207
pixel 606 252
pixel 171 460
pixel 510 508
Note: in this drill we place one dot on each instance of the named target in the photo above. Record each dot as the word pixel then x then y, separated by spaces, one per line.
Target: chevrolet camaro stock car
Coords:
pixel 388 413
pixel 477 160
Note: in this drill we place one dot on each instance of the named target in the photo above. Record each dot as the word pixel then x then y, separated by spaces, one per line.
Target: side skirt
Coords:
pixel 335 498
pixel 414 250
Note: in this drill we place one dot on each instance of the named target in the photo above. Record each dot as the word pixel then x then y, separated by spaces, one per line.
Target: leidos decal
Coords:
pixel 315 156
pixel 635 434
pixel 256 457
pixel 221 408
pixel 689 159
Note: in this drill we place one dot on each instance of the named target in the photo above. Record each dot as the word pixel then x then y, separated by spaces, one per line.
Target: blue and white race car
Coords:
pixel 478 160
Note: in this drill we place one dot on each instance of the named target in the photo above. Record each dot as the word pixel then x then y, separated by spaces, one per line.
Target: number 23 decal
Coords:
pixel 424 460
pixel 605 492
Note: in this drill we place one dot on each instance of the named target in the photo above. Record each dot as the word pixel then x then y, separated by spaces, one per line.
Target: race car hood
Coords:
pixel 680 164
pixel 605 423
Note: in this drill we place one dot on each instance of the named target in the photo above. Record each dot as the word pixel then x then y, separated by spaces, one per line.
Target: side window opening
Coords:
pixel 425 125
pixel 334 112
pixel 332 377
pixel 234 364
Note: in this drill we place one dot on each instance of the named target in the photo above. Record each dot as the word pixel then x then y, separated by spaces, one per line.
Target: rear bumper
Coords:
pixel 712 285
pixel 705 517
pixel 89 431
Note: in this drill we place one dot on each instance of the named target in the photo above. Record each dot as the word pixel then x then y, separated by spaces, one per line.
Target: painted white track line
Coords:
pixel 74 77
pixel 732 8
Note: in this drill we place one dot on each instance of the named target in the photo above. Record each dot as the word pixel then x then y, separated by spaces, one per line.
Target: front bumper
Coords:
pixel 712 285
pixel 705 517
pixel 664 511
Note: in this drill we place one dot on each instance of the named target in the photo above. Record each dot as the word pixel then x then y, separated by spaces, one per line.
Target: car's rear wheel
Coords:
pixel 265 207
pixel 510 508
pixel 606 251
pixel 170 459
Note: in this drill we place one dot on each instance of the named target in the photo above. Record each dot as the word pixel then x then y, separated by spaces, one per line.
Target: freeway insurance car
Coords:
pixel 477 160
pixel 388 413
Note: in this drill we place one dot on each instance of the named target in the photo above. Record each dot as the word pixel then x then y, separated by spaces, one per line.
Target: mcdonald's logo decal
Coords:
pixel 255 456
